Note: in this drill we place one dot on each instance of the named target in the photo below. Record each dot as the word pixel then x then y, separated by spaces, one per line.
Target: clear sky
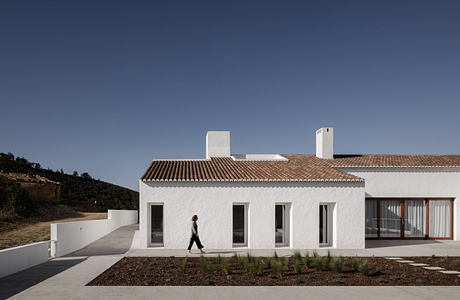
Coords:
pixel 105 86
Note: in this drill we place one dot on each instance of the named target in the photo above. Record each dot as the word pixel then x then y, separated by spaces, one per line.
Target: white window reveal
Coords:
pixel 240 225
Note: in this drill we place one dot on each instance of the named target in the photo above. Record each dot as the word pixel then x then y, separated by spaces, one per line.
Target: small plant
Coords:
pixel 315 254
pixel 226 266
pixel 285 261
pixel 394 278
pixel 235 257
pixel 208 281
pixel 457 263
pixel 379 270
pixel 328 260
pixel 205 266
pixel 337 281
pixel 404 276
pixel 271 276
pixel 219 259
pixel 297 256
pixel 298 281
pixel 275 256
pixel 364 267
pixel 355 262
pixel 278 268
pixel 380 280
pixel 433 256
pixel 148 275
pixel 183 265
pixel 337 264
pixel 319 263
pixel 419 281
pixel 341 276
pixel 297 267
pixel 308 261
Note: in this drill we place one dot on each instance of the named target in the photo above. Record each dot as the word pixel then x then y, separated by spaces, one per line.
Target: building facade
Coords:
pixel 301 201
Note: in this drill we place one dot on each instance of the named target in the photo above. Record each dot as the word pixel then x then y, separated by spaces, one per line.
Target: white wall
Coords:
pixel 212 202
pixel 413 182
pixel 70 236
pixel 16 259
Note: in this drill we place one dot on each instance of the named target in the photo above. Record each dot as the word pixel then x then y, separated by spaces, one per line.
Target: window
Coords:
pixel 325 224
pixel 281 225
pixel 240 225
pixel 440 218
pixel 156 222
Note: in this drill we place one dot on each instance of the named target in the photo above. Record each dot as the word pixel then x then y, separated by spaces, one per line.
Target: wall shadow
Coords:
pixel 22 280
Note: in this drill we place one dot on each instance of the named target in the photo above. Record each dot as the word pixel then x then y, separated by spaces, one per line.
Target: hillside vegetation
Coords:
pixel 80 191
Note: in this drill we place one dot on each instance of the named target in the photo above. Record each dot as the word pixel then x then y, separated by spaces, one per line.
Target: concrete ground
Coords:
pixel 66 277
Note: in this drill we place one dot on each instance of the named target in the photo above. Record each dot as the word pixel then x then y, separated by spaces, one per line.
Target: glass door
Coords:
pixel 156 221
pixel 390 218
pixel 440 219
pixel 414 218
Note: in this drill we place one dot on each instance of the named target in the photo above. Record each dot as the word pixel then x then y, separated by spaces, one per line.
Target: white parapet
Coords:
pixel 16 259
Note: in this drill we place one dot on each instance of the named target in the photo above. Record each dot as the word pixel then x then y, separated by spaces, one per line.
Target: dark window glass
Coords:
pixel 279 226
pixel 238 224
pixel 157 224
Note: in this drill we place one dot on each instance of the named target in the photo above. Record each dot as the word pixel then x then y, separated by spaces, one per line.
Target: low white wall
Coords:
pixel 71 236
pixel 16 259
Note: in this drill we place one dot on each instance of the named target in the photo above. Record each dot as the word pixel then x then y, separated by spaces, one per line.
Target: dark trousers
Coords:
pixel 195 239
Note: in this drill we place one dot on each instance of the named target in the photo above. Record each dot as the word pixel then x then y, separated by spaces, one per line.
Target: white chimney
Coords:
pixel 325 143
pixel 217 144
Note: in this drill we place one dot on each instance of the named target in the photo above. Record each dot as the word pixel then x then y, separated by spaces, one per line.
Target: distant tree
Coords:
pixel 10 156
pixel 61 171
pixel 86 175
pixel 75 173
pixel 37 166
pixel 22 161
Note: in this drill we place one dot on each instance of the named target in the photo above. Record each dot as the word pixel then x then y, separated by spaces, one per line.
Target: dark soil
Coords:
pixel 167 271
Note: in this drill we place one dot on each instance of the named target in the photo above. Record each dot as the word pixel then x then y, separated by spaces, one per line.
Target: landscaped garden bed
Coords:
pixel 252 271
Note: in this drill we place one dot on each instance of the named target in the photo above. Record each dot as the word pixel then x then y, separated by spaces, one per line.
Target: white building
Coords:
pixel 301 201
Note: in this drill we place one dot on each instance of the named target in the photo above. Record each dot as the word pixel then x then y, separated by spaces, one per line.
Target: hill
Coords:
pixel 79 191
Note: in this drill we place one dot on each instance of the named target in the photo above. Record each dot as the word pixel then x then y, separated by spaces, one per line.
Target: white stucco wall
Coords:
pixel 413 182
pixel 212 202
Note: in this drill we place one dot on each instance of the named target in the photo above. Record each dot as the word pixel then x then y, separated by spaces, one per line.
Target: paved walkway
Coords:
pixel 66 277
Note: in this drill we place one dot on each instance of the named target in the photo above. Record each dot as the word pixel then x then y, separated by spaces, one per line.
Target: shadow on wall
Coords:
pixel 20 281
pixel 395 243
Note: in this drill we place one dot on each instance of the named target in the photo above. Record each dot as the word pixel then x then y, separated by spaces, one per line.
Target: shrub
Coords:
pixel 379 270
pixel 184 264
pixel 319 263
pixel 364 267
pixel 297 256
pixel 205 266
pixel 404 276
pixel 419 281
pixel 355 262
pixel 219 259
pixel 226 266
pixel 394 278
pixel 308 261
pixel 285 261
pixel 297 267
pixel 278 268
pixel 337 264
pixel 328 259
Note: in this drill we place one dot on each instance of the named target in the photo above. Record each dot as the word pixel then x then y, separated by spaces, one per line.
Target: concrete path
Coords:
pixel 400 248
pixel 66 277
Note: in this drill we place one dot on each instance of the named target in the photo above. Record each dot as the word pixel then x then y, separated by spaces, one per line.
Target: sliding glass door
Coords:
pixel 409 218
pixel 414 218
pixel 440 212
pixel 390 218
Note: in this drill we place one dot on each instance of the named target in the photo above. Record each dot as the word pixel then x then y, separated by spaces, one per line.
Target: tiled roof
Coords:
pixel 382 160
pixel 299 167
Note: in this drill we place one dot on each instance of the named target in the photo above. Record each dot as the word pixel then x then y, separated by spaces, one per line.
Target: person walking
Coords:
pixel 195 237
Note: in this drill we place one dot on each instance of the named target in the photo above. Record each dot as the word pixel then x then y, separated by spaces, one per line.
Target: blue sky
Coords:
pixel 105 86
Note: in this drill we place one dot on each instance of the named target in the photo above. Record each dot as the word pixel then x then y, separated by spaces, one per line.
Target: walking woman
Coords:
pixel 195 237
